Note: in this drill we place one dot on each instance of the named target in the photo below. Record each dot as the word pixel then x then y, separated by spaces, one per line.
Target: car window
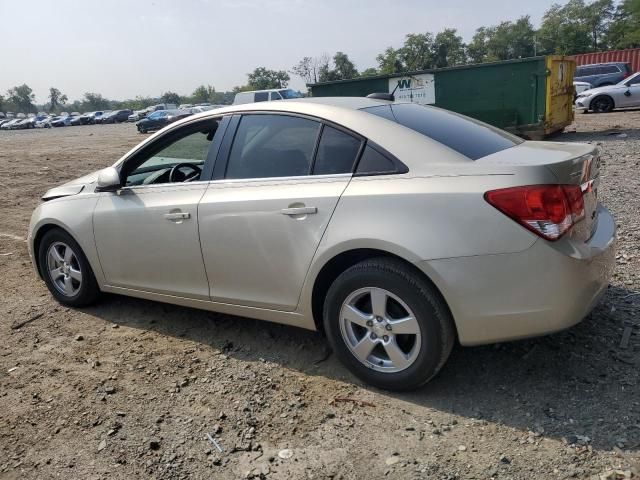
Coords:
pixel 261 97
pixel 374 162
pixel 272 146
pixel 634 81
pixel 610 69
pixel 191 145
pixel 337 152
pixel 275 96
pixel 465 135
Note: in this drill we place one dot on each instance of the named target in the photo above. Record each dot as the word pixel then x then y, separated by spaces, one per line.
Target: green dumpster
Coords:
pixel 532 97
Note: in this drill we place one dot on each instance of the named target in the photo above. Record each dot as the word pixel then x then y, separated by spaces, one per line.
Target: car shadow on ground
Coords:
pixel 571 385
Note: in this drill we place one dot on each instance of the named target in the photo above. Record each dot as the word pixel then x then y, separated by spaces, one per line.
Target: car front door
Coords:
pixel 272 197
pixel 146 233
pixel 631 96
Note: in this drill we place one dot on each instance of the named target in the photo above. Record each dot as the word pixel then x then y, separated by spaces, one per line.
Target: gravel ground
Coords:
pixel 130 388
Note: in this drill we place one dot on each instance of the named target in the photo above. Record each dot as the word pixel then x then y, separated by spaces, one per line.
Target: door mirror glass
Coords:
pixel 108 180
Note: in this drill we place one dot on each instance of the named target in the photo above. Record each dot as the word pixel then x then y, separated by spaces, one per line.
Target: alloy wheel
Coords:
pixel 380 329
pixel 64 269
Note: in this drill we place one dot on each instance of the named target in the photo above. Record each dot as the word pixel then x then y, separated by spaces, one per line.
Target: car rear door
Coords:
pixel 263 216
pixel 146 233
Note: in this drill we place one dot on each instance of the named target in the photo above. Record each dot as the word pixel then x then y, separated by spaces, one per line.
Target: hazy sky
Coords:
pixel 124 48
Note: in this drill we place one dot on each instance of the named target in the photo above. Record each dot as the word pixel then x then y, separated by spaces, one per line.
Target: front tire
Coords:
pixel 602 104
pixel 388 325
pixel 66 270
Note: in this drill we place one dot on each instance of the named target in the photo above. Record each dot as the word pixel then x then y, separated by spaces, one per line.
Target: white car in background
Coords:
pixel 581 87
pixel 604 99
pixel 265 95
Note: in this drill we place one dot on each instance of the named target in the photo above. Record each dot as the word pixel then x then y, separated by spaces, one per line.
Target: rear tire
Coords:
pixel 602 104
pixel 66 270
pixel 388 325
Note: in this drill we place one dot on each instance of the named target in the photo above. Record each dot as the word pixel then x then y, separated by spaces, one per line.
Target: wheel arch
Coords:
pixel 340 262
pixel 613 102
pixel 40 232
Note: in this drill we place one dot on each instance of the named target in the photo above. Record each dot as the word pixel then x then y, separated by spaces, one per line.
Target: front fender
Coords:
pixel 74 215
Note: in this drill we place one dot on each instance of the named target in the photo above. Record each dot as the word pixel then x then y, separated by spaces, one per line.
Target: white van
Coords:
pixel 265 95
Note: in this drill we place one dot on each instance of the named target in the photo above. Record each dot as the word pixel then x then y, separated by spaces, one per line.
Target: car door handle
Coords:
pixel 177 216
pixel 299 211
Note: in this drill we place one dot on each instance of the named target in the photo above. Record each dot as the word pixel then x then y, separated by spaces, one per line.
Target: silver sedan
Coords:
pixel 396 229
pixel 604 99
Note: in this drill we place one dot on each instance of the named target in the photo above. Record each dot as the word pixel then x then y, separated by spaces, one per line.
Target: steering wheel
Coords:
pixel 175 172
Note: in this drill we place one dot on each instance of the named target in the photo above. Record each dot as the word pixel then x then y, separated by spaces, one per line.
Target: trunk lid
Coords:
pixel 570 163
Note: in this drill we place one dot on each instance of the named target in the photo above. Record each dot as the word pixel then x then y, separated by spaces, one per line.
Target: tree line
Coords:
pixel 575 27
pixel 569 29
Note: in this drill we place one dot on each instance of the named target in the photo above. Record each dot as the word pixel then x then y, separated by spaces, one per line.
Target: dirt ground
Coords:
pixel 130 388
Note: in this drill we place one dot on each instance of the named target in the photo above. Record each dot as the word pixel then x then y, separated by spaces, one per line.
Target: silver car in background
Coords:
pixel 605 99
pixel 395 228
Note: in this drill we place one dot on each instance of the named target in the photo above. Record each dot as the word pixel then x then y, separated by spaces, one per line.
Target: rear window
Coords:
pixel 466 136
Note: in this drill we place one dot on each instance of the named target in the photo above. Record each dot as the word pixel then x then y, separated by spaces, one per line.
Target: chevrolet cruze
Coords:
pixel 395 228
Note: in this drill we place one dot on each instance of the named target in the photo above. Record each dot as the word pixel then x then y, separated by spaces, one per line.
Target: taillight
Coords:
pixel 547 210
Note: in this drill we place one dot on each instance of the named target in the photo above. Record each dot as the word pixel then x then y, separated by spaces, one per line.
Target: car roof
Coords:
pixel 599 64
pixel 346 112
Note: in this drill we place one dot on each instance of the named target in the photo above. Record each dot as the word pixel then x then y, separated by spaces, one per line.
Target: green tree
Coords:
pixel 624 29
pixel 390 62
pixel 477 49
pixel 565 29
pixel 94 101
pixel 344 67
pixel 56 99
pixel 170 97
pixel 263 79
pixel 417 52
pixel 369 72
pixel 309 68
pixel 203 94
pixel 597 17
pixel 340 68
pixel 504 41
pixel 22 97
pixel 448 49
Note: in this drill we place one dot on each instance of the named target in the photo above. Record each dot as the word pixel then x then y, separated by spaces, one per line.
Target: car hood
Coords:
pixel 72 187
pixel 605 89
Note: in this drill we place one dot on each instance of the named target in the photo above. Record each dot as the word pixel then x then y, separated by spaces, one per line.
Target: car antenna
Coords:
pixel 384 96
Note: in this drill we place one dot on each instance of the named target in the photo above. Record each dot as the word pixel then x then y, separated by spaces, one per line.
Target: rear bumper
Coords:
pixel 544 289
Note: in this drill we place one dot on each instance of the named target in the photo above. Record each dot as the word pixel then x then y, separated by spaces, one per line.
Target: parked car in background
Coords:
pixel 160 119
pixel 602 74
pixel 265 95
pixel 117 116
pixel 10 125
pixel 30 122
pixel 61 121
pixel 138 115
pixel 77 120
pixel 44 122
pixel 604 99
pixel 4 120
pixel 96 117
pixel 580 87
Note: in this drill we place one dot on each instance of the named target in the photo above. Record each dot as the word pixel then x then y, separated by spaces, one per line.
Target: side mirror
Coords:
pixel 627 93
pixel 108 180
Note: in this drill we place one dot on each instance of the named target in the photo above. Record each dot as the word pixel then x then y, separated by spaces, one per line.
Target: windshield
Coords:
pixel 625 80
pixel 156 115
pixel 289 93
